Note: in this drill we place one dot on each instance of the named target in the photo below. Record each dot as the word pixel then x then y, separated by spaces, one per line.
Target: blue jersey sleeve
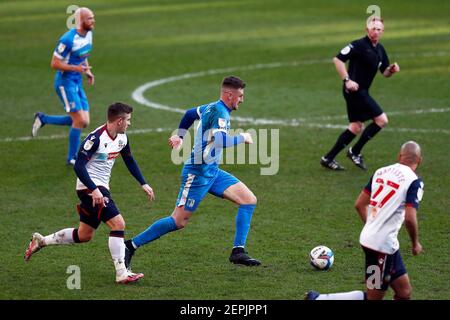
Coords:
pixel 188 119
pixel 414 193
pixel 64 45
pixel 223 140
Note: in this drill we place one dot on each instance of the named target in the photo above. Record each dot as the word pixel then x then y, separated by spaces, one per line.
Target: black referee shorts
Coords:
pixel 361 106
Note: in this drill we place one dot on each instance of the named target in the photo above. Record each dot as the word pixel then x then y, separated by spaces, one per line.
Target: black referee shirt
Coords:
pixel 365 60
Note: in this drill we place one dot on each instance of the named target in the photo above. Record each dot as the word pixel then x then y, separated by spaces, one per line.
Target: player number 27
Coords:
pixel 393 187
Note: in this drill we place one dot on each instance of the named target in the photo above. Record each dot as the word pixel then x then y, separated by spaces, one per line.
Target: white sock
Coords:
pixel 352 295
pixel 117 249
pixel 64 236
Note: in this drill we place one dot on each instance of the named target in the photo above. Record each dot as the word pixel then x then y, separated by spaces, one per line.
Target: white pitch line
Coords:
pixel 256 122
pixel 62 136
pixel 392 113
pixel 138 96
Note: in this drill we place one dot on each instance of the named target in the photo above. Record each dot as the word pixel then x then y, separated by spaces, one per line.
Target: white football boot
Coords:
pixel 36 244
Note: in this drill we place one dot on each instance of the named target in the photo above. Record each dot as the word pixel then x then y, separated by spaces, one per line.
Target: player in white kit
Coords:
pixel 390 198
pixel 93 167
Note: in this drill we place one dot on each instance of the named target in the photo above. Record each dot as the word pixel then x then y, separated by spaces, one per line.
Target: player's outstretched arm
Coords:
pixel 223 140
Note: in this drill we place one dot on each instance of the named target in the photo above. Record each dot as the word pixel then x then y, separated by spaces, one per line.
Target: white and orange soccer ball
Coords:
pixel 321 257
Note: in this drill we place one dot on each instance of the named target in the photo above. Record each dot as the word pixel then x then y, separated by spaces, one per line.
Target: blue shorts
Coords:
pixel 72 95
pixel 194 187
pixel 390 265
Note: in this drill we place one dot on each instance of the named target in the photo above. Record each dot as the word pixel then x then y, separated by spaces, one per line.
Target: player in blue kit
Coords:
pixel 201 173
pixel 70 61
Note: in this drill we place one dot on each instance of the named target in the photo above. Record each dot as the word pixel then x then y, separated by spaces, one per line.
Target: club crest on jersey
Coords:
pixel 121 144
pixel 222 123
pixel 61 47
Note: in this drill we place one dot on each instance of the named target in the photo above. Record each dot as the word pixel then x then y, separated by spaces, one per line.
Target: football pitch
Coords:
pixel 283 50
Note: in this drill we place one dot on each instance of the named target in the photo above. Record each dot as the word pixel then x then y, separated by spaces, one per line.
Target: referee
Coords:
pixel 366 56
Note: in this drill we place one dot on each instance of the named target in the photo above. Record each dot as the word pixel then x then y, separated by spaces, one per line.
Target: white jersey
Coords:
pixel 102 152
pixel 391 189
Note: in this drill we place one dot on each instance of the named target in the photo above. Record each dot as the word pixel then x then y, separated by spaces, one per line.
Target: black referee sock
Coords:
pixel 344 139
pixel 368 133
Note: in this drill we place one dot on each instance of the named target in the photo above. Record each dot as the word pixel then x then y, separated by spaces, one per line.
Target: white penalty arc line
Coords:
pixel 138 96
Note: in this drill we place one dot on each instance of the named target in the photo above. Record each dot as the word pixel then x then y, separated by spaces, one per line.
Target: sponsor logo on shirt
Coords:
pixel 113 155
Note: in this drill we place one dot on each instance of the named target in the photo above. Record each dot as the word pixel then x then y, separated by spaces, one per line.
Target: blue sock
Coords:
pixel 243 218
pixel 74 142
pixel 58 120
pixel 156 230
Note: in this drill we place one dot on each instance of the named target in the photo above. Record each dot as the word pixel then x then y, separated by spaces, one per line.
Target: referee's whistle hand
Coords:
pixel 394 68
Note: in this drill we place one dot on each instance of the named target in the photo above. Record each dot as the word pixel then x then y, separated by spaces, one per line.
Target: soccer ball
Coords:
pixel 321 257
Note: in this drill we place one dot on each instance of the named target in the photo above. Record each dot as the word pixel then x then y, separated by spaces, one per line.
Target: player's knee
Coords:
pixel 80 123
pixel 119 225
pixel 356 128
pixel 181 223
pixel 84 123
pixel 403 294
pixel 382 121
pixel 251 199
pixel 180 219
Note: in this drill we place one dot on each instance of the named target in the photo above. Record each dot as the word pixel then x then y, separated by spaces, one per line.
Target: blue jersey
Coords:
pixel 72 49
pixel 204 159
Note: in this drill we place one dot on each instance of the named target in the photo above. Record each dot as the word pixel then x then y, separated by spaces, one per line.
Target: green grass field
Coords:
pixel 302 206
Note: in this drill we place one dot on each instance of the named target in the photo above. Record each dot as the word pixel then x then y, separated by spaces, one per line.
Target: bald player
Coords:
pixel 70 59
pixel 366 56
pixel 390 198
